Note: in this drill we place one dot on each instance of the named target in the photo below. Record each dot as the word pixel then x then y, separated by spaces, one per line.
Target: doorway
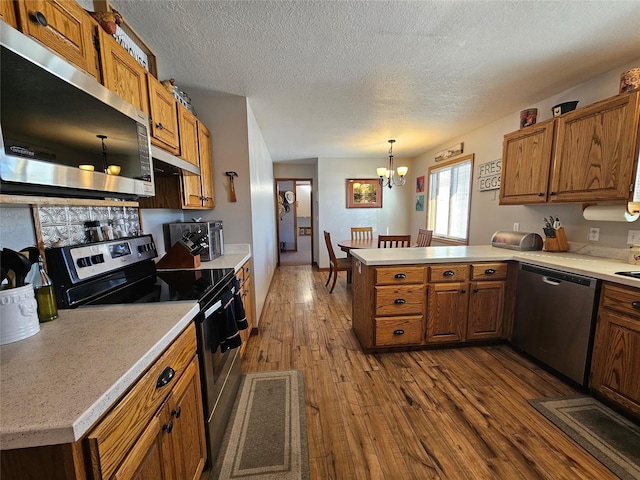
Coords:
pixel 295 225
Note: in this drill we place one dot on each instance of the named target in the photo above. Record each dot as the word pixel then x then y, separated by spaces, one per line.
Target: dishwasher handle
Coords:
pixel 551 281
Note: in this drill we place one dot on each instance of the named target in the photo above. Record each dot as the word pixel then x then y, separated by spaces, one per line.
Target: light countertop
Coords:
pixel 56 384
pixel 597 267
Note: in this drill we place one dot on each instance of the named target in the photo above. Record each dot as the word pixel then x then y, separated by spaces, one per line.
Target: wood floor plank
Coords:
pixel 426 414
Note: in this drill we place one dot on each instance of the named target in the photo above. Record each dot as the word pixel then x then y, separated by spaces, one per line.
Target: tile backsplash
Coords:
pixel 64 225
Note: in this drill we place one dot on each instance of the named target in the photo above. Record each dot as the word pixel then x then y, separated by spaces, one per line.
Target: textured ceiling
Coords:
pixel 339 78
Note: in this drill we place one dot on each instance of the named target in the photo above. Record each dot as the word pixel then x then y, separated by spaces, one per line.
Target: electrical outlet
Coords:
pixel 594 234
pixel 516 227
pixel 633 237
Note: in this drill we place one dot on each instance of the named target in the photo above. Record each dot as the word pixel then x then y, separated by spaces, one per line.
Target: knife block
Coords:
pixel 179 256
pixel 557 244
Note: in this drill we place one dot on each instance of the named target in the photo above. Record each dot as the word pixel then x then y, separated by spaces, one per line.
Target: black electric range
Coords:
pixel 123 271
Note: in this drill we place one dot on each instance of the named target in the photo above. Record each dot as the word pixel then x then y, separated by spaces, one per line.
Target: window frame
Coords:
pixel 430 208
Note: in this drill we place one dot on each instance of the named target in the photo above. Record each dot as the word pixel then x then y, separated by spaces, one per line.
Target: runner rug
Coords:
pixel 266 437
pixel 608 436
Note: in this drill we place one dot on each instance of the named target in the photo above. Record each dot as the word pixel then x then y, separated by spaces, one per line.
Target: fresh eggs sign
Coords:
pixel 489 175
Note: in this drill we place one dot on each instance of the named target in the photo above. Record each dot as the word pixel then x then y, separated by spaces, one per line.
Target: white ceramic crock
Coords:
pixel 18 314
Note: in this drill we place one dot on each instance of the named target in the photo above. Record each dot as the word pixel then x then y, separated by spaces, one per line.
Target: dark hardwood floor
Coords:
pixel 430 414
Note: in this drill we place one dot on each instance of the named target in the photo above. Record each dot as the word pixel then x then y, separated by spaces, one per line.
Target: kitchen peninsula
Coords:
pixel 405 298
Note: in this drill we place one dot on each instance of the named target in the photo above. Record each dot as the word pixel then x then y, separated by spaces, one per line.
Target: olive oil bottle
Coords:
pixel 45 295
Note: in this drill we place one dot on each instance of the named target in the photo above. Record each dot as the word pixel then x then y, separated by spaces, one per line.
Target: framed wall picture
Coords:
pixel 364 193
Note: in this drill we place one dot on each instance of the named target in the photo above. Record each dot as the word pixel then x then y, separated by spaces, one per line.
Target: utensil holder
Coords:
pixel 557 244
pixel 179 256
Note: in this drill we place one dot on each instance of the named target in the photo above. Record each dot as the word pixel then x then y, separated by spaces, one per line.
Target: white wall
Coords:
pixel 263 212
pixel 486 143
pixel 337 219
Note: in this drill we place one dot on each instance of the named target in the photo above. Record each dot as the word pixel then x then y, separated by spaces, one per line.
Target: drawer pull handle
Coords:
pixel 635 305
pixel 165 377
pixel 39 18
pixel 168 427
pixel 398 332
pixel 399 301
pixel 177 412
pixel 448 273
pixel 401 276
pixel 475 290
pixel 489 271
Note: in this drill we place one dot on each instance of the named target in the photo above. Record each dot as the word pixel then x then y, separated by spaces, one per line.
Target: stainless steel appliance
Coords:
pixel 214 236
pixel 123 271
pixel 53 117
pixel 554 319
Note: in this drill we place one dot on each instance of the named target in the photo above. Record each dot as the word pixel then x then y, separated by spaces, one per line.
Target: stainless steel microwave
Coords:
pixel 213 229
pixel 56 118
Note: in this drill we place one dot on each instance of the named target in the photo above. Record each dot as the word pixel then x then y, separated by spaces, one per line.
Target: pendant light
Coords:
pixel 388 176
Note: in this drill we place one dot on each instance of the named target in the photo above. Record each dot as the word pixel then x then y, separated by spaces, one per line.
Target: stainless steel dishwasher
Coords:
pixel 554 319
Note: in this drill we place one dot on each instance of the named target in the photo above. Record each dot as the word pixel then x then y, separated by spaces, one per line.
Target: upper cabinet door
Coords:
pixel 188 125
pixel 206 166
pixel 526 159
pixel 164 117
pixel 596 150
pixel 64 27
pixel 122 74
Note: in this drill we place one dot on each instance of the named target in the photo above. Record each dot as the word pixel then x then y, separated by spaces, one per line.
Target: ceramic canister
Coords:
pixel 18 314
pixel 630 80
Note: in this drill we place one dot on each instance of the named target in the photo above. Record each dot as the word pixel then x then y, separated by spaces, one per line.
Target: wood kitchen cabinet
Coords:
pixel 616 351
pixel 246 293
pixel 596 151
pixel 587 155
pixel 163 110
pixel 486 300
pixel 197 191
pixel 526 160
pixel 155 430
pixel 448 303
pixel 8 13
pixel 63 26
pixel 122 74
pixel 390 305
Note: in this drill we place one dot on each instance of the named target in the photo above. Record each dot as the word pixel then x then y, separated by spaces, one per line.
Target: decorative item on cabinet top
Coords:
pixel 564 107
pixel 528 117
pixel 630 80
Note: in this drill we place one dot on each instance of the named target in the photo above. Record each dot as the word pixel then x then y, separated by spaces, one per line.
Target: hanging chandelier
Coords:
pixel 388 176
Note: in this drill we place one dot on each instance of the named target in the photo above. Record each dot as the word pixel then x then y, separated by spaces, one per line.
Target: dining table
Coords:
pixel 348 245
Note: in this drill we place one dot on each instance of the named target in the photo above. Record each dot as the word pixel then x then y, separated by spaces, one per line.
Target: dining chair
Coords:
pixel 424 237
pixel 335 264
pixel 394 241
pixel 361 233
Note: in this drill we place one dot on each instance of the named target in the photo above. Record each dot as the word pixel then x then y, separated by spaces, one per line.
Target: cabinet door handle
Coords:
pixel 398 332
pixel 463 291
pixel 165 377
pixel 39 18
pixel 448 273
pixel 540 194
pixel 635 305
pixel 168 427
pixel 177 412
pixel 552 193
pixel 489 271
pixel 399 301
pixel 400 276
pixel 475 290
pixel 159 126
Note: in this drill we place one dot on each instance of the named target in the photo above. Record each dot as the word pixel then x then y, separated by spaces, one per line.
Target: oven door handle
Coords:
pixel 213 308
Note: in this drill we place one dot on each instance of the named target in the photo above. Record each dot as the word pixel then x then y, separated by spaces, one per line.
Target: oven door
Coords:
pixel 220 377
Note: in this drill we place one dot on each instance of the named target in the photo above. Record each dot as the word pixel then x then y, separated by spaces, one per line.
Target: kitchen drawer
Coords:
pixel 449 273
pixel 393 331
pixel 110 441
pixel 399 275
pixel 404 300
pixel 488 271
pixel 621 299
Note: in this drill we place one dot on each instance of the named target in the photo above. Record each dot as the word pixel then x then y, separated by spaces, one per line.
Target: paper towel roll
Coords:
pixel 609 213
